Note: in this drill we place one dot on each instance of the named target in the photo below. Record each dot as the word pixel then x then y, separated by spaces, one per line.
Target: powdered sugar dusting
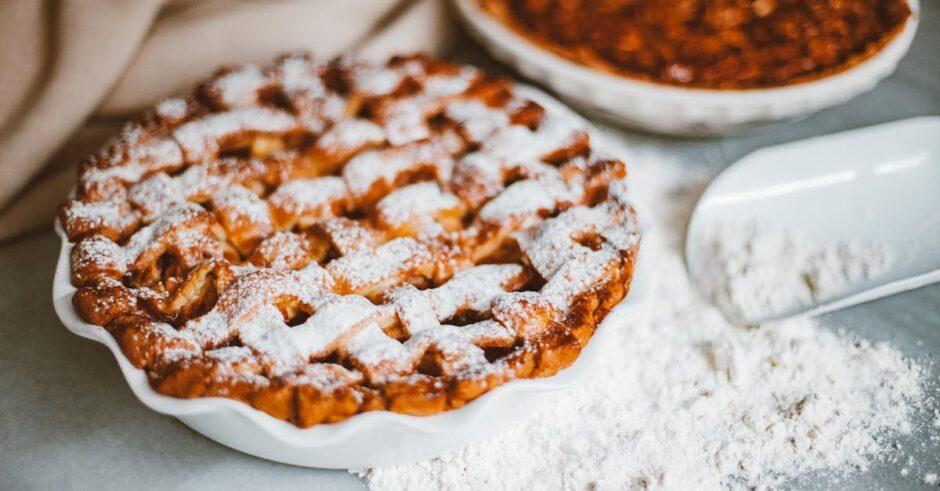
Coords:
pixel 363 268
pixel 580 273
pixel 283 250
pixel 478 120
pixel 742 271
pixel 375 81
pixel 242 204
pixel 414 309
pixel 379 354
pixel 326 377
pixel 156 194
pixel 299 75
pixel 199 138
pixel 309 196
pixel 148 236
pixel 411 203
pixel 691 401
pixel 473 289
pixel 289 211
pixel 173 108
pixel 520 204
pixel 99 213
pixel 239 88
pixel 350 135
pixel 382 166
pixel 202 181
pixel 547 247
pixel 347 235
pixel 100 252
pixel 133 155
pixel 254 292
pixel 336 317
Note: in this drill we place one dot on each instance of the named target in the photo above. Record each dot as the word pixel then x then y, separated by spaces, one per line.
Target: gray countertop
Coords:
pixel 68 420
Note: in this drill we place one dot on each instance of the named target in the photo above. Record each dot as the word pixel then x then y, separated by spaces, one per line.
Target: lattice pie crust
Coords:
pixel 321 238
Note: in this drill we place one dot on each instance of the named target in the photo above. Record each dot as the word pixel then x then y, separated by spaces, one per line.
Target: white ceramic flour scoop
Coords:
pixel 821 224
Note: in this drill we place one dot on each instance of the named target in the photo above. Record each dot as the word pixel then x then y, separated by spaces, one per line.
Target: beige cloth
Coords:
pixel 74 69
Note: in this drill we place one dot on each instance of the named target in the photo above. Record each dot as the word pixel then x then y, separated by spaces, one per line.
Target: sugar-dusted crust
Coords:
pixel 318 239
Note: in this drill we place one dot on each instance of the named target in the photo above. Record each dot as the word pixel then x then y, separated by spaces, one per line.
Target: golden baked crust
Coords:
pixel 711 44
pixel 317 239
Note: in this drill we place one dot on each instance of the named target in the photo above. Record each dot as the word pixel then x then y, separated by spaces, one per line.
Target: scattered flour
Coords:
pixel 751 270
pixel 686 400
pixel 931 479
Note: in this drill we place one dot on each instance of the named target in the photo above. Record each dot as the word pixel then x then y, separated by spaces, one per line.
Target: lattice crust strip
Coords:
pixel 321 238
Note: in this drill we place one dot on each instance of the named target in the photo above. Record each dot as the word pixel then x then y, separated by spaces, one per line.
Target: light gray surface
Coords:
pixel 67 419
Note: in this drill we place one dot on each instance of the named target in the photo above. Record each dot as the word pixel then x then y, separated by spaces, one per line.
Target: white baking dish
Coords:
pixel 369 439
pixel 675 110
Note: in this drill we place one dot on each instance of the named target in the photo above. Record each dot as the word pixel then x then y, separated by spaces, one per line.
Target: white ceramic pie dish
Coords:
pixel 366 440
pixel 369 439
pixel 674 110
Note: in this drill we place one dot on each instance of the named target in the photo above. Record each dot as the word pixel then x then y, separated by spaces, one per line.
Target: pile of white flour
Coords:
pixel 754 270
pixel 688 401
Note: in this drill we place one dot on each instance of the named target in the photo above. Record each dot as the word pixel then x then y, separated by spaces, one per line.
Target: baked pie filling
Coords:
pixel 322 238
pixel 712 44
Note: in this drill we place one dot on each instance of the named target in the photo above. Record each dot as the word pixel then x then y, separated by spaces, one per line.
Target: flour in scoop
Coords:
pixel 686 400
pixel 752 270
